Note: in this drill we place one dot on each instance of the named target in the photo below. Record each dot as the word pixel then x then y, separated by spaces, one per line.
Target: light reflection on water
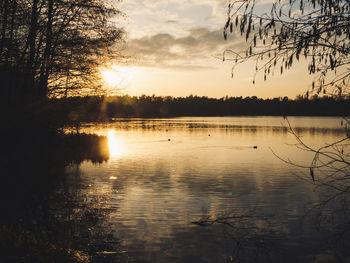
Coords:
pixel 164 174
pixel 115 146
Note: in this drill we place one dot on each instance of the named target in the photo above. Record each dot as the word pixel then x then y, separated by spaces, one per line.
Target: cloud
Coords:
pixel 178 34
pixel 172 22
pixel 194 50
pixel 152 16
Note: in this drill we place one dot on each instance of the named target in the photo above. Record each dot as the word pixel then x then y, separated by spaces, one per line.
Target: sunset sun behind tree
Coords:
pixel 117 78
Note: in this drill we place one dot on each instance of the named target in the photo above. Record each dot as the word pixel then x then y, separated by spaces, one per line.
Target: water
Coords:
pixel 201 190
pixel 164 174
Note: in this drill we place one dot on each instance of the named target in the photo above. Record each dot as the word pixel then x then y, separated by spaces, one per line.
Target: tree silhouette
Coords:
pixel 52 48
pixel 317 30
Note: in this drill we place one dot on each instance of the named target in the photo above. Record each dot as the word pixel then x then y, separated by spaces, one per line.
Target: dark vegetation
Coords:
pixel 104 108
pixel 47 212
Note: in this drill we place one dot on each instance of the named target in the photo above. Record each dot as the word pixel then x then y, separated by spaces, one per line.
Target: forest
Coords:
pixel 103 108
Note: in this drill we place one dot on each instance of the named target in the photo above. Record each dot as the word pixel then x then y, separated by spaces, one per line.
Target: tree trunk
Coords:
pixel 12 27
pixel 31 90
pixel 4 26
pixel 45 66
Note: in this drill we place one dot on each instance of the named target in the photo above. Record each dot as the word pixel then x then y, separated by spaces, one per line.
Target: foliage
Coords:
pixel 317 30
pixel 54 47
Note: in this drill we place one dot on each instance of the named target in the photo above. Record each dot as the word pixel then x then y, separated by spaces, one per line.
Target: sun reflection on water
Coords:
pixel 115 146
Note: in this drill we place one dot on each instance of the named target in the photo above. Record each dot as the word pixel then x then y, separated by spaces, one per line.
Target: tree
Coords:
pixel 53 48
pixel 317 30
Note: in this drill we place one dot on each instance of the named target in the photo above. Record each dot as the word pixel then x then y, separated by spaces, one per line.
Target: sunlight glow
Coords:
pixel 117 77
pixel 115 146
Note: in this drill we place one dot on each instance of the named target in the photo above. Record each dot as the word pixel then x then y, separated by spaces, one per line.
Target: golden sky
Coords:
pixel 175 49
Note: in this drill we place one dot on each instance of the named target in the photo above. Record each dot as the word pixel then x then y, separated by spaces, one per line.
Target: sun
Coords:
pixel 117 76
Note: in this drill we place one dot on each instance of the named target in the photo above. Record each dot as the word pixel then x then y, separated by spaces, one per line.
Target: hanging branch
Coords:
pixel 316 30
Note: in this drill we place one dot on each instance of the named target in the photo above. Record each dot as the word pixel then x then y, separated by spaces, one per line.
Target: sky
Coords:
pixel 175 47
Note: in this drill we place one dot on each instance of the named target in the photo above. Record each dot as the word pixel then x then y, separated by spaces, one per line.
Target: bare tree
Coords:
pixel 282 34
pixel 330 166
pixel 53 48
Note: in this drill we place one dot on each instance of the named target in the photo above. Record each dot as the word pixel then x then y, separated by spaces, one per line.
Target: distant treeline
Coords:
pixel 102 108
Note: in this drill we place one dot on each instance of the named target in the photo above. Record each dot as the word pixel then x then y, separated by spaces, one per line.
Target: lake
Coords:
pixel 209 189
pixel 164 174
